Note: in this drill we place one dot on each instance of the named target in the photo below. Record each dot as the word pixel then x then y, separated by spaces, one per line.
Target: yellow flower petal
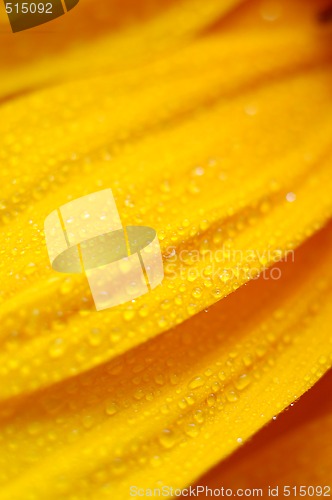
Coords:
pixel 298 434
pixel 110 39
pixel 168 410
pixel 252 158
pixel 223 146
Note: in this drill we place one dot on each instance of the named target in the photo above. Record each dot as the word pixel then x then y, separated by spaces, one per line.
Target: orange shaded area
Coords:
pixel 294 450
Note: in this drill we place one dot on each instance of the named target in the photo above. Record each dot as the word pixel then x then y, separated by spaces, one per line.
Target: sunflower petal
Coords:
pixel 167 411
pixel 98 37
pixel 298 434
pixel 221 194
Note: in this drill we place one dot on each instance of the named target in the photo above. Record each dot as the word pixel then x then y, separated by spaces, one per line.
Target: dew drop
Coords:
pixel 322 360
pixel 143 311
pixel 66 287
pixel 167 439
pixel 199 416
pixel 162 322
pixel 56 349
pixel 197 292
pixel 139 394
pixel 242 382
pixel 196 382
pixel 216 293
pixel 111 409
pixel 198 171
pixel 118 466
pixel 192 430
pixel 128 314
pixel 211 400
pixel 222 376
pixel 174 379
pixel 192 275
pixel 231 396
pixel 190 399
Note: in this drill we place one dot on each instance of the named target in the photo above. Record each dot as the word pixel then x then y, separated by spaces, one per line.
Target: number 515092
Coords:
pixel 28 8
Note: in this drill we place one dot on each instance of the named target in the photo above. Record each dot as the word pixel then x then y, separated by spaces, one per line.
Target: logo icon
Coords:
pixel 121 263
pixel 28 14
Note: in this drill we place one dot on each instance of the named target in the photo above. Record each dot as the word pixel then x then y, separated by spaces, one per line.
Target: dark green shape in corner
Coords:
pixel 21 20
